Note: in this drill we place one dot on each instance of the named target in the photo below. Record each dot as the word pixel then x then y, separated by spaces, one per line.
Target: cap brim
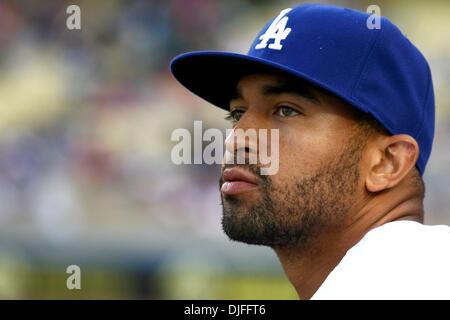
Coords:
pixel 213 75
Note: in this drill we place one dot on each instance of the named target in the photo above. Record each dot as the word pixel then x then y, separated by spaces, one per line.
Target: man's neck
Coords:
pixel 308 269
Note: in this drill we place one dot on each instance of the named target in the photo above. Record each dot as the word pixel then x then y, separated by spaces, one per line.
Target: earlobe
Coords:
pixel 390 162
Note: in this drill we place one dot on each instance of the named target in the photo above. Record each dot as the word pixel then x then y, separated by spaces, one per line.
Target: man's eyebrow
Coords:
pixel 298 89
pixel 236 94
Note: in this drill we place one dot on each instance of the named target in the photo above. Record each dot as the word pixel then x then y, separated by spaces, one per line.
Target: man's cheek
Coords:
pixel 291 155
pixel 269 153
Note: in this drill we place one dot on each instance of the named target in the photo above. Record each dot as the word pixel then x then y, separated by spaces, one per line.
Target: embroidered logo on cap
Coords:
pixel 277 31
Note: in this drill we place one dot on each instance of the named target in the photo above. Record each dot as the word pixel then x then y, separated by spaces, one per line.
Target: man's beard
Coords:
pixel 298 211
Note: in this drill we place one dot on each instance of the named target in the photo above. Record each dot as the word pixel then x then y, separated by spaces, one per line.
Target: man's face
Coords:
pixel 319 155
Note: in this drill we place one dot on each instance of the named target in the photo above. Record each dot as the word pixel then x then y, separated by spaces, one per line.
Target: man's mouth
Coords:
pixel 238 180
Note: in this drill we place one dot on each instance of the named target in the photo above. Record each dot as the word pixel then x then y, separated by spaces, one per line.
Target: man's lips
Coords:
pixel 237 180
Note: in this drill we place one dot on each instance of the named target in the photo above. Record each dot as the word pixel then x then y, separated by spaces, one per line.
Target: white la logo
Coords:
pixel 276 31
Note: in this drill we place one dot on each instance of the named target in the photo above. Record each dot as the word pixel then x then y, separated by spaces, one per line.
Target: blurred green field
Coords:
pixel 101 284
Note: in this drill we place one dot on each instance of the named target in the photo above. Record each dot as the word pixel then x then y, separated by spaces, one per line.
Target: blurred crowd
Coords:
pixel 86 116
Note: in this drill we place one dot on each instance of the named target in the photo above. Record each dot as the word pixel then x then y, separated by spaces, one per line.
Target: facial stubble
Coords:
pixel 296 213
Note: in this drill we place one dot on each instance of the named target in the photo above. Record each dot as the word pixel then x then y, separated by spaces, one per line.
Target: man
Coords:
pixel 354 108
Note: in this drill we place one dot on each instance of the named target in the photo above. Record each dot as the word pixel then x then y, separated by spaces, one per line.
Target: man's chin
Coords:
pixel 242 200
pixel 240 224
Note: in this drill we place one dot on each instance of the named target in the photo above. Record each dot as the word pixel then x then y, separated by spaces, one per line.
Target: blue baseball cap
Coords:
pixel 376 69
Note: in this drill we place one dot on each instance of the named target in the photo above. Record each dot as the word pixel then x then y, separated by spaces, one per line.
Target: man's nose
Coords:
pixel 242 142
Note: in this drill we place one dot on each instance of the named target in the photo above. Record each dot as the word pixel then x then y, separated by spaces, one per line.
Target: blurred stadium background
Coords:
pixel 85 170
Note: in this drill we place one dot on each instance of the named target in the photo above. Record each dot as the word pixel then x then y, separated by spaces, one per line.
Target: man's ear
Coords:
pixel 390 160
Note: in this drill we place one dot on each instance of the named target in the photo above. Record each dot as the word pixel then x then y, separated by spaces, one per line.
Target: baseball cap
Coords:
pixel 376 70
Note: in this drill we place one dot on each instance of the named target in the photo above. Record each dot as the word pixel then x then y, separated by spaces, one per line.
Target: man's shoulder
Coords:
pixel 398 260
pixel 410 237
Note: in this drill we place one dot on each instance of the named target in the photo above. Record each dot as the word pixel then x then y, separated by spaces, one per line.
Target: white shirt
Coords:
pixel 398 260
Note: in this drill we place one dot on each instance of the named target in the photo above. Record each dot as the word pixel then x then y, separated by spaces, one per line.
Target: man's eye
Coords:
pixel 286 112
pixel 234 116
